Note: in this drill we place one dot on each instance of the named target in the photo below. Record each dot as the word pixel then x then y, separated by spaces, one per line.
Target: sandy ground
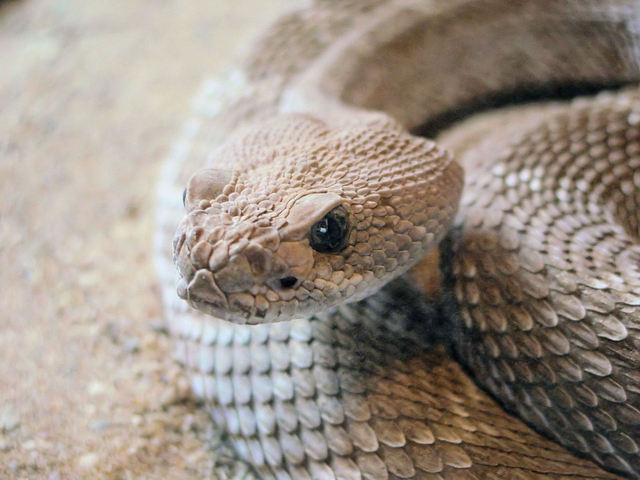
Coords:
pixel 92 95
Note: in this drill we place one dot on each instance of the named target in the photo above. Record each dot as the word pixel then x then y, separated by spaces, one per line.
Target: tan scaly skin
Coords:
pixel 305 191
pixel 244 248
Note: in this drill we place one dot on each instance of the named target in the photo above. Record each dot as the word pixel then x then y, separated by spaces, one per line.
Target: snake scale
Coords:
pixel 316 344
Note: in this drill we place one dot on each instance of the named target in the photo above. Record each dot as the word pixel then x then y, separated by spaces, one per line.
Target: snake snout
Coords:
pixel 202 287
pixel 239 273
pixel 254 270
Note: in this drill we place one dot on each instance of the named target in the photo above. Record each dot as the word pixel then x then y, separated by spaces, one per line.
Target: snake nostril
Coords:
pixel 288 282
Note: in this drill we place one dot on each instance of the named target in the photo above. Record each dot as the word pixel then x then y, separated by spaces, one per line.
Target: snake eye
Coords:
pixel 329 235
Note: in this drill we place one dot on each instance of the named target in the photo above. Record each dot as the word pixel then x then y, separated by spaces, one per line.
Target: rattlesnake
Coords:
pixel 315 194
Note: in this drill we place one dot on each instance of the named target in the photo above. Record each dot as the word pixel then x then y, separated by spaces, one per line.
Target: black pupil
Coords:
pixel 329 235
pixel 184 197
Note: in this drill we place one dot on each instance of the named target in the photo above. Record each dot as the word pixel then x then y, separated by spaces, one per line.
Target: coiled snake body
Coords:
pixel 308 192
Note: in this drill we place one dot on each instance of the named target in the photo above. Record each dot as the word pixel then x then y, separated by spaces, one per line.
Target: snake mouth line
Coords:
pixel 234 308
pixel 202 286
pixel 237 317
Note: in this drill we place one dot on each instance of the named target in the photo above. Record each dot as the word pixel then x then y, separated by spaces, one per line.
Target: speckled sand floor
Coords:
pixel 92 95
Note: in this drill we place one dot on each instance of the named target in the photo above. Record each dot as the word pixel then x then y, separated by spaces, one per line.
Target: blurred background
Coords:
pixel 92 96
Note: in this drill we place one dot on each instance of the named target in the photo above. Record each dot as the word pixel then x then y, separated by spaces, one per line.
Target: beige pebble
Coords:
pixel 96 388
pixel 29 445
pixel 88 461
pixel 9 419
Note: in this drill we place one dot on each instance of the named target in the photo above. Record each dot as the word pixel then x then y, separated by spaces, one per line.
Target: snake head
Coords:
pixel 311 222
